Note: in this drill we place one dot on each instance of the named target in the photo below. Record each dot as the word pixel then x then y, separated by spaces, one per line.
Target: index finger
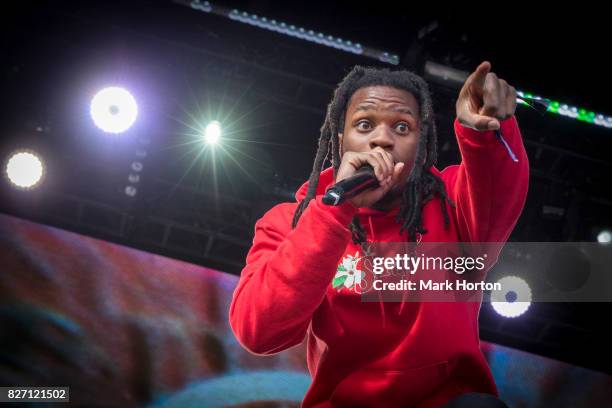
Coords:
pixel 478 77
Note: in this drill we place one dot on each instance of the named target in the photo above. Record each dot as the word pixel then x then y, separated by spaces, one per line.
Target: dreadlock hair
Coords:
pixel 421 186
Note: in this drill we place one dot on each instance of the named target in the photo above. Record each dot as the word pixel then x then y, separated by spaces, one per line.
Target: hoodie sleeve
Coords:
pixel 488 187
pixel 287 273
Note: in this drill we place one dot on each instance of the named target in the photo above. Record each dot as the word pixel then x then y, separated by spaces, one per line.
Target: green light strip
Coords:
pixel 569 111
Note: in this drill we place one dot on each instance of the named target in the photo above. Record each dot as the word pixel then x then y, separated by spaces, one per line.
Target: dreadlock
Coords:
pixel 421 186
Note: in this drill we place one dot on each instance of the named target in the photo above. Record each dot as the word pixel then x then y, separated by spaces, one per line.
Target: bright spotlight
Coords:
pixel 24 169
pixel 604 237
pixel 513 288
pixel 113 110
pixel 213 131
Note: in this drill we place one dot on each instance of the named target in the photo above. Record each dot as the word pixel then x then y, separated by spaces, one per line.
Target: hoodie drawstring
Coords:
pixel 380 302
pixel 371 228
pixel 417 242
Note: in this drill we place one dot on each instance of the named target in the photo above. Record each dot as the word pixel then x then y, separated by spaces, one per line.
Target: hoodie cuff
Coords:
pixel 485 137
pixel 342 213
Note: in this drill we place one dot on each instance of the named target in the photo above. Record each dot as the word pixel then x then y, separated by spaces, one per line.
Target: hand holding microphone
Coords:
pixel 356 168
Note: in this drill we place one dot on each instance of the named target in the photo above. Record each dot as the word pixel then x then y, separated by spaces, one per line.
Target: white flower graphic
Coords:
pixel 347 274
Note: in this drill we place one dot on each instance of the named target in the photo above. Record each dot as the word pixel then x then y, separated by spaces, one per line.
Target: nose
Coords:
pixel 382 137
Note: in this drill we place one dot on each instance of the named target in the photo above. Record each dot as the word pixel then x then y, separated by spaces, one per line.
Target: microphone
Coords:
pixel 363 179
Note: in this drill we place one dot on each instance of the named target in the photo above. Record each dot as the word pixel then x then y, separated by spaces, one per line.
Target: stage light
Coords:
pixel 604 237
pixel 131 191
pixel 114 110
pixel 24 169
pixel 137 166
pixel 213 132
pixel 298 32
pixel 514 299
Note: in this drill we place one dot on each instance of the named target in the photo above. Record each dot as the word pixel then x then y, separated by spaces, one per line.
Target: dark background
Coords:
pixel 270 91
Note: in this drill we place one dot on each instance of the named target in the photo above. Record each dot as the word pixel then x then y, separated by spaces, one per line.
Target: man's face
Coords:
pixel 386 117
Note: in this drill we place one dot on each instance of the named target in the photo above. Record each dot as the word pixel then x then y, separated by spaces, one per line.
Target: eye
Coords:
pixel 402 127
pixel 363 125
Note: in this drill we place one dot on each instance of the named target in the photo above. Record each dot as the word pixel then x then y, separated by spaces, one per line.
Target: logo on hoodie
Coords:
pixel 348 275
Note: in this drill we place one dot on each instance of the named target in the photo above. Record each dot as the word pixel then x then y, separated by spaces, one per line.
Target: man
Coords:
pixel 302 275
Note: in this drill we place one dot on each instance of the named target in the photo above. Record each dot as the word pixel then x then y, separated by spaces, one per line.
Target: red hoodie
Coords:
pixel 363 354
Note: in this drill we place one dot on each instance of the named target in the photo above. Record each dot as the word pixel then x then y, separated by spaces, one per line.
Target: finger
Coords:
pixel 490 95
pixel 478 77
pixel 396 178
pixel 511 102
pixel 502 110
pixel 351 162
pixel 386 169
pixel 390 163
pixel 388 159
pixel 379 167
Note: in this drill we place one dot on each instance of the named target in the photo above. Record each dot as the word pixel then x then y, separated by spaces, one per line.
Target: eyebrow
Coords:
pixel 398 109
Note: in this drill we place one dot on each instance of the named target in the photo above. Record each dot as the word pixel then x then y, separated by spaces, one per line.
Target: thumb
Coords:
pixel 479 122
pixel 397 171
